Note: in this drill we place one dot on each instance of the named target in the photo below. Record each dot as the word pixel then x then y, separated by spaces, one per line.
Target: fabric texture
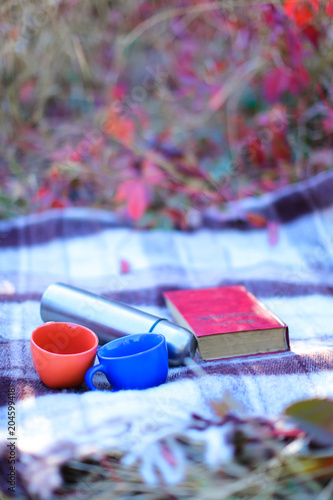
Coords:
pixel 288 265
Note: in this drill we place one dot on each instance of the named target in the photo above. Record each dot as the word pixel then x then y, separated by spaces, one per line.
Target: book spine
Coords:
pixel 286 336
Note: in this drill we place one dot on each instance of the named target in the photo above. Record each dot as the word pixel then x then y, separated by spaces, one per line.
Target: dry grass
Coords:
pixel 64 64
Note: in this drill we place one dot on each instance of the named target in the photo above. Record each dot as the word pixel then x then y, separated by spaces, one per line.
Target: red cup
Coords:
pixel 62 353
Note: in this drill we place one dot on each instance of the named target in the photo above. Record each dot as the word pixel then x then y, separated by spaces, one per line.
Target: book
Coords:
pixel 228 321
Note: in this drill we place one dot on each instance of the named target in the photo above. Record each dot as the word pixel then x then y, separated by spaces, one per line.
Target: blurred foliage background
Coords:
pixel 158 110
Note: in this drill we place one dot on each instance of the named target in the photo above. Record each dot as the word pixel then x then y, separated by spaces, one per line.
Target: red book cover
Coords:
pixel 222 310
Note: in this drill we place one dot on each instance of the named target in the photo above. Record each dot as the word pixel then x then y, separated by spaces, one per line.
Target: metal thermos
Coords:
pixel 110 319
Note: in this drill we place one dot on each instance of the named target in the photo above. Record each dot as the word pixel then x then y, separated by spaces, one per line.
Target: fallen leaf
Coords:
pixel 124 267
pixel 256 219
pixel 315 416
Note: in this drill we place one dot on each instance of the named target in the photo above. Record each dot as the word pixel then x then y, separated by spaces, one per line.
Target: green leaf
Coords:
pixel 315 416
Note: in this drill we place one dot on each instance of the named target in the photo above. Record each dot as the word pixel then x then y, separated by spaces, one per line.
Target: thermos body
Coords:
pixel 110 319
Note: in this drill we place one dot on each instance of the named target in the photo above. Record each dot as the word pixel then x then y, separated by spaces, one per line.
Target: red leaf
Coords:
pixel 313 34
pixel 256 220
pixel 280 147
pixel 281 80
pixel 136 195
pixel 301 12
pixel 329 8
pixel 59 204
pixel 299 79
pixel 124 267
pixel 255 152
pixel 120 128
pixel 75 157
pixel 138 201
pixel 118 91
pixel 276 83
pixel 41 194
pixel 177 217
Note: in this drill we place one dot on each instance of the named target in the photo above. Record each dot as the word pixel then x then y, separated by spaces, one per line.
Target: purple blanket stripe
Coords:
pixel 154 296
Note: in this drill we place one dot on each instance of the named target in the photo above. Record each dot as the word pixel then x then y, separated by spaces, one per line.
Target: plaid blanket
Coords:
pixel 287 264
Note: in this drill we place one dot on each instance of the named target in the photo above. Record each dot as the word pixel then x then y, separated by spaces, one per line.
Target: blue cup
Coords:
pixel 133 362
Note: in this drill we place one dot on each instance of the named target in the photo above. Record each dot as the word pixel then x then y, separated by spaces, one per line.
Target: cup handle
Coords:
pixel 90 373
